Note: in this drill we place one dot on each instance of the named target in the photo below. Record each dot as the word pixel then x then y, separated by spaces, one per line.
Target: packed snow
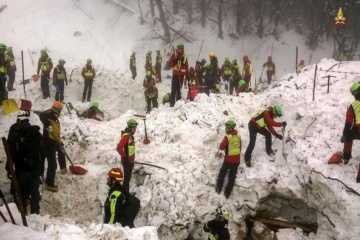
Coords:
pixel 179 200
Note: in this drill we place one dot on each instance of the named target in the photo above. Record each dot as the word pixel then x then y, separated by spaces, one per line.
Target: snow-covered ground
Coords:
pixel 184 139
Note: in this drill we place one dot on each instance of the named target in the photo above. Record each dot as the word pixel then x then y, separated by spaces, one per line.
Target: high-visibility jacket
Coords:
pixel 132 62
pixel 88 72
pixel 158 60
pixel 234 143
pixel 356 106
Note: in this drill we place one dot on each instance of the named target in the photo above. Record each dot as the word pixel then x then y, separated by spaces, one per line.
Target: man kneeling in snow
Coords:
pixel 93 112
pixel 120 206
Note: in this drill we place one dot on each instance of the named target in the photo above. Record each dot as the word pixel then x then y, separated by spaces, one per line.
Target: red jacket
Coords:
pixel 122 148
pixel 184 66
pixel 224 146
pixel 350 122
pixel 268 115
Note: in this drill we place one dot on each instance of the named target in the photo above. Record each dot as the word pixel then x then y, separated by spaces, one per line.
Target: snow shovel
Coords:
pixel 26 105
pixel 73 169
pixel 10 106
pixel 151 165
pixel 146 140
pixel 335 158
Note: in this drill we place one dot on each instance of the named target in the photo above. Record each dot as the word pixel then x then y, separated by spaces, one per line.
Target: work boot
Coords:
pixel 52 188
pixel 346 157
pixel 270 153
pixel 63 171
pixel 248 163
pixel 218 190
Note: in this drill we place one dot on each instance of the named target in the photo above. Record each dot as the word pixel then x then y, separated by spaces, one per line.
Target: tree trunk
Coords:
pixel 220 13
pixel 259 13
pixel 239 16
pixel 142 21
pixel 189 10
pixel 203 12
pixel 176 6
pixel 163 21
pixel 152 9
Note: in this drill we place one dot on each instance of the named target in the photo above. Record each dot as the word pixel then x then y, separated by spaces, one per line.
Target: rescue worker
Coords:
pixel 93 112
pixel 158 62
pixel 270 69
pixel 26 149
pixel 258 124
pixel 300 66
pixel 133 66
pixel 53 144
pixel 45 64
pixel 231 143
pixel 227 72
pixel 126 149
pixel 179 64
pixel 166 98
pixel 11 68
pixel 88 73
pixel 4 63
pixel 218 227
pixel 199 70
pixel 352 126
pixel 241 87
pixel 247 71
pixel 212 75
pixel 151 92
pixel 120 206
pixel 236 76
pixel 193 84
pixel 59 77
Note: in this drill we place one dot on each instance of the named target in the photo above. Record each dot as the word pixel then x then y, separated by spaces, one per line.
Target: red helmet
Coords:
pixel 245 58
pixel 116 174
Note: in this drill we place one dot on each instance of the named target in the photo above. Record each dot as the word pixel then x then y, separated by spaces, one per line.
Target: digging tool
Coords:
pixel 10 165
pixel 70 80
pixel 151 165
pixel 146 140
pixel 2 216
pixel 25 104
pixel 73 169
pixel 10 106
pixel 260 79
pixel 137 115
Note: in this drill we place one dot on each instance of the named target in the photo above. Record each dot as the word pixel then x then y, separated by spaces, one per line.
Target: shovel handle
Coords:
pixel 58 142
pixel 2 216
pixel 8 209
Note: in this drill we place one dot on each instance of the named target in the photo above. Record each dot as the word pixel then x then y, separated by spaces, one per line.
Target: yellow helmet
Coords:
pixel 211 54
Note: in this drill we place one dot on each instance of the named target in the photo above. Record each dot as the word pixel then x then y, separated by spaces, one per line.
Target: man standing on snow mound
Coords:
pixel 126 149
pixel 133 66
pixel 45 65
pixel 352 125
pixel 258 124
pixel 179 64
pixel 88 73
pixel 247 71
pixel 53 144
pixel 232 146
pixel 270 69
pixel 120 206
pixel 59 77
pixel 218 227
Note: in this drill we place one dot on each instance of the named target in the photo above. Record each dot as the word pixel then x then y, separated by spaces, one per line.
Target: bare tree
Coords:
pixel 239 15
pixel 176 6
pixel 142 21
pixel 163 22
pixel 260 8
pixel 220 13
pixel 152 9
pixel 189 10
pixel 203 12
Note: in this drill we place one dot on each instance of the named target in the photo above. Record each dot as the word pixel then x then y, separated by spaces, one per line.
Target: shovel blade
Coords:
pixel 335 158
pixel 26 105
pixel 77 170
pixel 10 106
pixel 35 77
pixel 146 141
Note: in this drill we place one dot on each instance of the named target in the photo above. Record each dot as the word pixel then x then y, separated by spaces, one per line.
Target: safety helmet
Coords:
pixel 223 213
pixel 192 70
pixel 23 114
pixel 302 62
pixel 166 97
pixel 89 61
pixel 355 89
pixel 116 174
pixel 234 61
pixel 149 53
pixel 61 60
pixel 278 110
pixel 245 58
pixel 57 105
pixel 211 54
pixel 180 45
pixel 148 73
pixel 2 46
pixel 226 58
pixel 132 123
pixel 203 61
pixel 42 51
pixel 94 104
pixel 269 58
pixel 230 124
pixel 9 49
pixel 241 82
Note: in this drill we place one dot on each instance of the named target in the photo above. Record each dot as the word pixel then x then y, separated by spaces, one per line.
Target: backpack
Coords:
pixel 26 148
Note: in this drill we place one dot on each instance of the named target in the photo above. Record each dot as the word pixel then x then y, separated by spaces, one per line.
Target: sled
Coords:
pixel 335 158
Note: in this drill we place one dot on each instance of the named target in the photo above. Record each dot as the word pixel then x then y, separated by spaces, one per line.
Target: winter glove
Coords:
pixel 279 136
pixel 49 129
pixel 284 124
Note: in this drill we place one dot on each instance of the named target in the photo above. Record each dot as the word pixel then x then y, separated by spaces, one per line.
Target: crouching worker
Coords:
pixel 120 206
pixel 93 112
pixel 218 227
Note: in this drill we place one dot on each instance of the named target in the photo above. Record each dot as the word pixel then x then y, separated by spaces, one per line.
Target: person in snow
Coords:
pixel 53 144
pixel 226 74
pixel 93 112
pixel 270 69
pixel 45 64
pixel 133 66
pixel 199 70
pixel 352 126
pixel 300 66
pixel 193 84
pixel 27 153
pixel 151 92
pixel 212 75
pixel 4 63
pixel 59 77
pixel 258 124
pixel 88 73
pixel 126 149
pixel 120 206
pixel 236 76
pixel 179 64
pixel 247 71
pixel 158 62
pixel 218 227
pixel 11 68
pixel 231 143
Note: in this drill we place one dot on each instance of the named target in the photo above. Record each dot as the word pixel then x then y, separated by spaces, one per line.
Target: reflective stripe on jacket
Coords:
pixel 356 106
pixel 113 199
pixel 234 144
pixel 130 145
